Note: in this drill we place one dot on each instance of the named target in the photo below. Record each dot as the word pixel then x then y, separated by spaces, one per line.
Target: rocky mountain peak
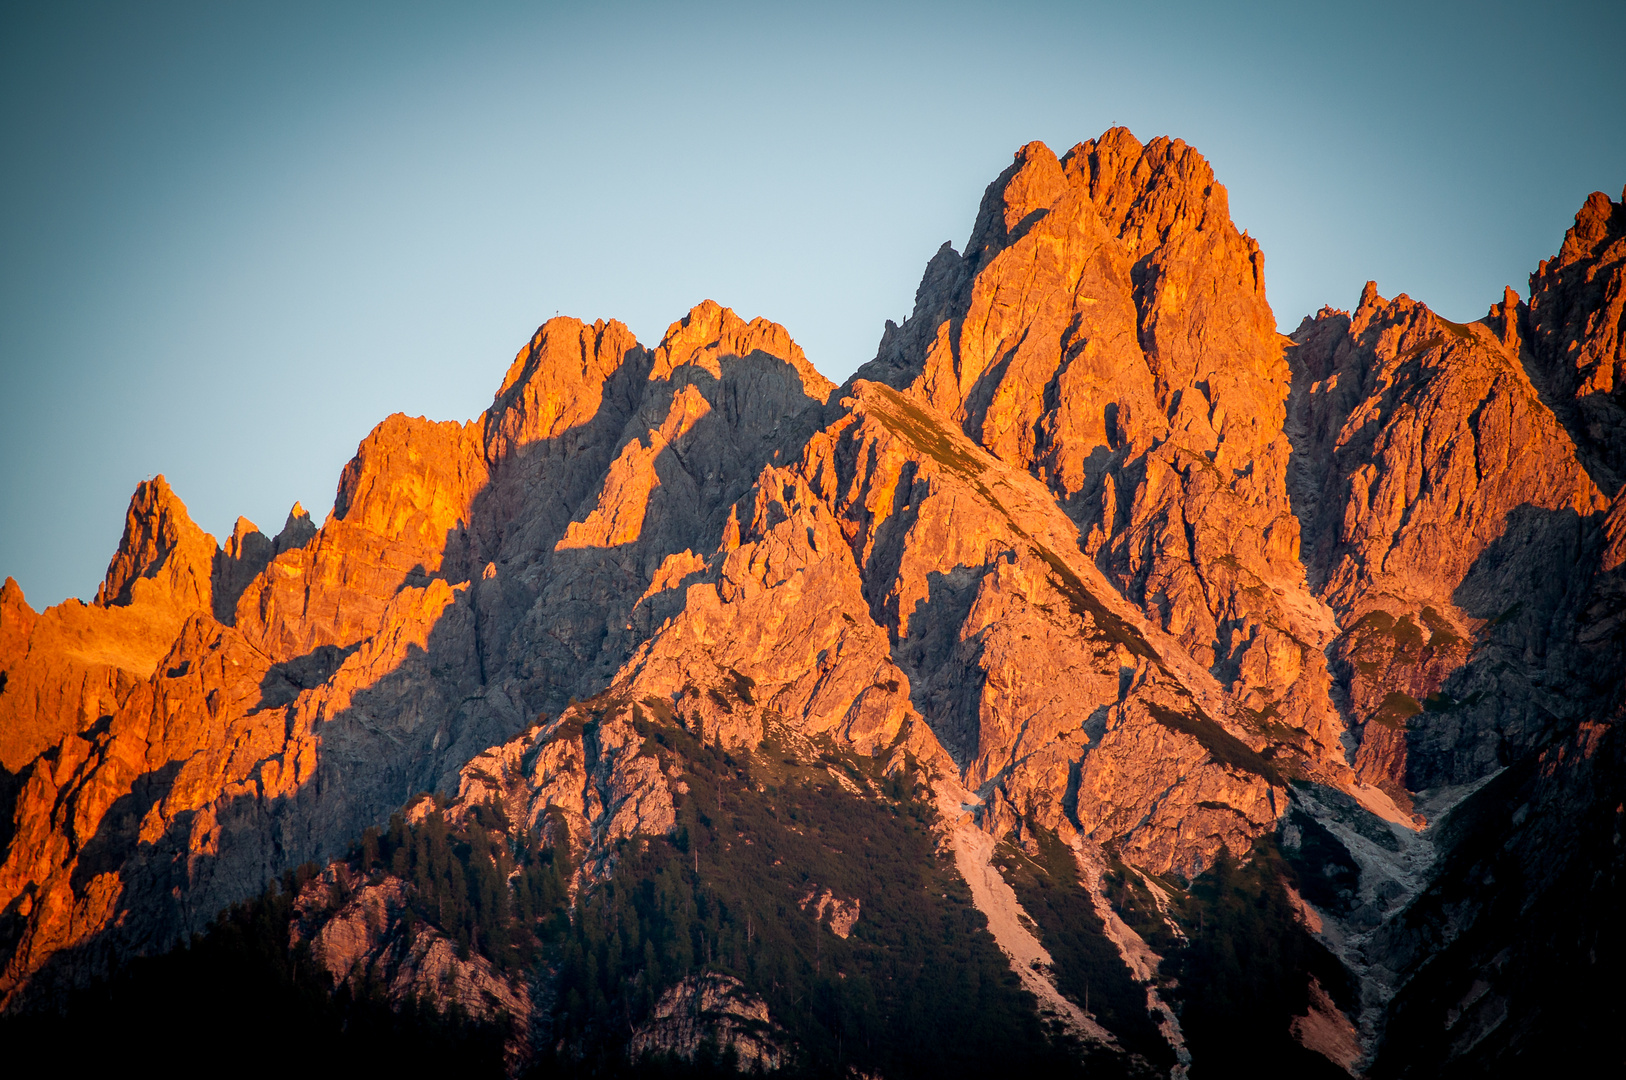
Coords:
pixel 161 545
pixel 245 536
pixel 1029 186
pixel 711 332
pixel 1149 194
pixel 297 530
pixel 374 492
pixel 1118 346
pixel 1577 335
pixel 1506 318
pixel 1599 220
pixel 16 619
pixel 559 381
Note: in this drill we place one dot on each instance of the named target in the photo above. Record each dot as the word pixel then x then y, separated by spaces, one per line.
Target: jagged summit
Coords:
pixel 159 539
pixel 1176 638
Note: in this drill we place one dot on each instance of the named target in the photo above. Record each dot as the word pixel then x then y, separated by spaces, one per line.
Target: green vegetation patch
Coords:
pixel 1433 342
pixel 1395 710
pixel 912 423
pixel 484 892
pixel 1441 633
pixel 247 999
pixel 1267 722
pixel 1088 607
pixel 1403 635
pixel 1132 899
pixel 1221 745
pixel 1455 329
pixel 918 988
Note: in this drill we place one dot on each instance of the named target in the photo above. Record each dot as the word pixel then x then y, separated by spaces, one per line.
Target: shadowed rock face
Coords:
pixel 1573 334
pixel 716 1008
pixel 1439 495
pixel 1459 493
pixel 1088 538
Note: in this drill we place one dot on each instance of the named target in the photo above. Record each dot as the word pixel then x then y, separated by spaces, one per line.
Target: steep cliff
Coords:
pixel 1439 493
pixel 1574 332
pixel 1107 330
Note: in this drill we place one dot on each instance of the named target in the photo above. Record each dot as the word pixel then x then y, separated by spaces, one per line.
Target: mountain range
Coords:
pixel 1097 681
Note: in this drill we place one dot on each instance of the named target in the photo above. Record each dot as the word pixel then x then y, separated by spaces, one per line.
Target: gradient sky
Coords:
pixel 233 237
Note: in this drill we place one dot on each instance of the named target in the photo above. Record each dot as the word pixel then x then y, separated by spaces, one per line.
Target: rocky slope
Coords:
pixel 1134 586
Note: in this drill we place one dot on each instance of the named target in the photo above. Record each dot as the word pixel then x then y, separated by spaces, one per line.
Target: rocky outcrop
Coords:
pixel 588 771
pixel 69 668
pixel 713 1010
pixel 354 929
pixel 572 556
pixel 898 583
pixel 824 905
pixel 347 921
pixel 199 779
pixel 162 553
pixel 402 509
pixel 702 525
pixel 1427 435
pixel 1454 486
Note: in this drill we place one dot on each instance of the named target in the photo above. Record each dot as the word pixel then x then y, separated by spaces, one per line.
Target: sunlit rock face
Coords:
pixel 471 576
pixel 1107 331
pixel 1119 566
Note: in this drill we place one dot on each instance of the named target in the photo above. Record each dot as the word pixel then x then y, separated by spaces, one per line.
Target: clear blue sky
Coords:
pixel 235 236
